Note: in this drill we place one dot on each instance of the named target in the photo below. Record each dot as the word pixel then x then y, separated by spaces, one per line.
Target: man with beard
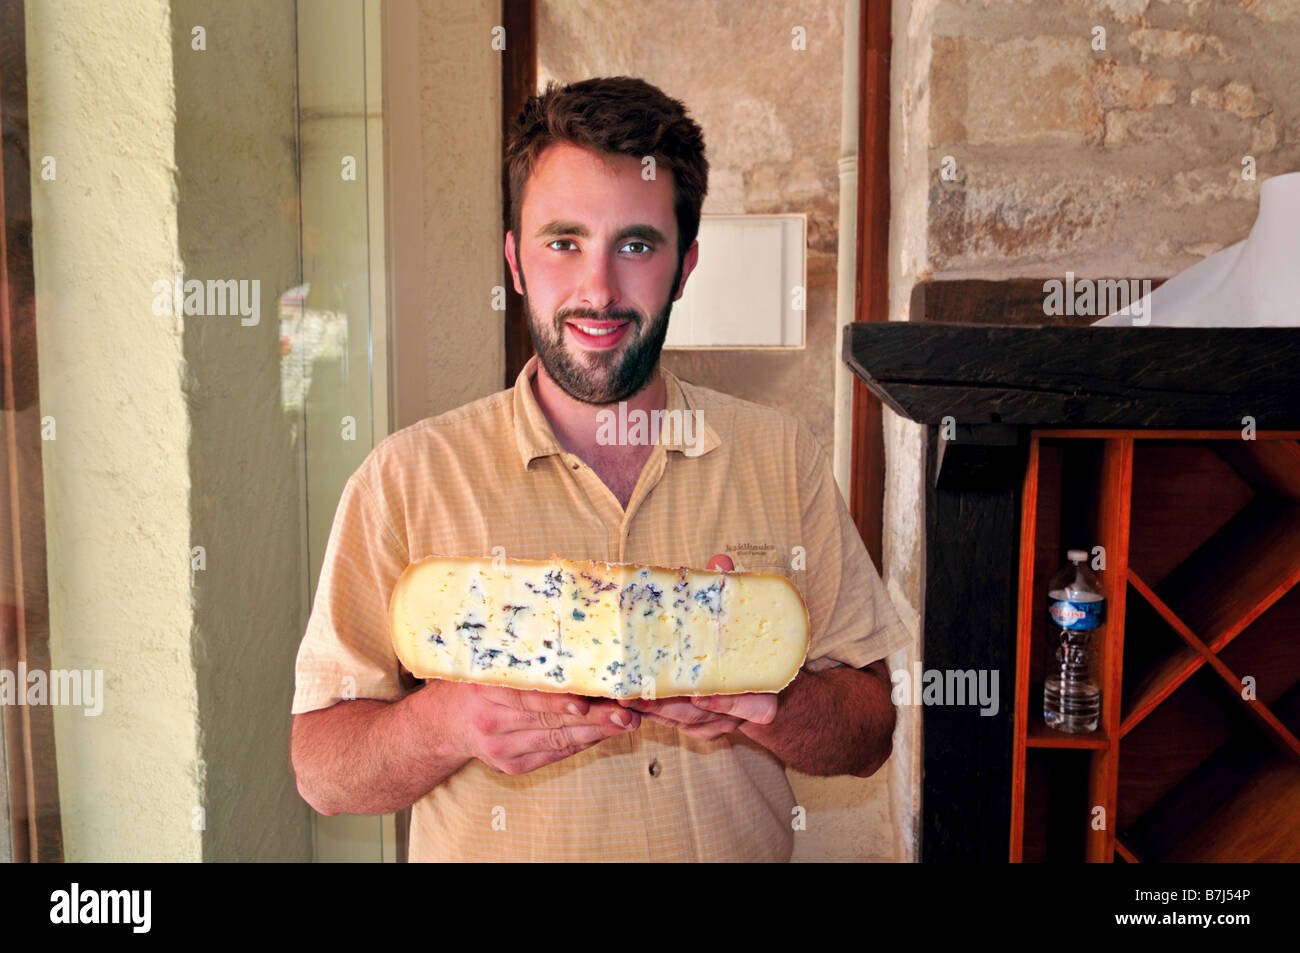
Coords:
pixel 600 250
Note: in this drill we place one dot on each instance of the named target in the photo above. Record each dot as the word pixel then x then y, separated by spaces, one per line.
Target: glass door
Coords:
pixel 333 340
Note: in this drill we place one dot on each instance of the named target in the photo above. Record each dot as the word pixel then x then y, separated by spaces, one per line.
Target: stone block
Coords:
pixel 1131 127
pixel 1234 97
pixel 1272 11
pixel 1177 44
pixel 1010 214
pixel 1012 91
pixel 1129 87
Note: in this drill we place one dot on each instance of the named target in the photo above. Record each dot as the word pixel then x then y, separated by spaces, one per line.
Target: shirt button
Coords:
pixel 654 768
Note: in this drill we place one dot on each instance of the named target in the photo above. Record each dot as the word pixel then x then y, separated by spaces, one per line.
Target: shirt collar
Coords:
pixel 535 438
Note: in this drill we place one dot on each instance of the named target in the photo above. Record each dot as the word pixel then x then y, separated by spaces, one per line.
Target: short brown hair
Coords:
pixel 619 115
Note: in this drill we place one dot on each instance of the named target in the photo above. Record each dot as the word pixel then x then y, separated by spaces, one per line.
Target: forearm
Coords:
pixel 373 757
pixel 838 721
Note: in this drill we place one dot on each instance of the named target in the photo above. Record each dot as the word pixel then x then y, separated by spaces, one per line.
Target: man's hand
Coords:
pixel 707 716
pixel 373 757
pixel 517 731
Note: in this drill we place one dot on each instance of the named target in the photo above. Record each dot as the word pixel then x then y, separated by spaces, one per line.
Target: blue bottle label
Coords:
pixel 1070 614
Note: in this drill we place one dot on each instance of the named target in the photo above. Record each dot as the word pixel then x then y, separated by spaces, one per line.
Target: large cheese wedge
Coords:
pixel 612 630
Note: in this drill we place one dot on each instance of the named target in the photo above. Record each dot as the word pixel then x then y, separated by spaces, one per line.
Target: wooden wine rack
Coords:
pixel 1196 757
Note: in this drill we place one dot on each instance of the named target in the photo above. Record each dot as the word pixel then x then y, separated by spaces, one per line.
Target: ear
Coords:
pixel 688 265
pixel 512 258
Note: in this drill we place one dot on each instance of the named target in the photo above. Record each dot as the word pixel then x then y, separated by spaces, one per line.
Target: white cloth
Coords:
pixel 1254 283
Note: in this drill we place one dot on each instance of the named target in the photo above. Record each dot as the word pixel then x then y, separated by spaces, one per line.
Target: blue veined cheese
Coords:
pixel 611 630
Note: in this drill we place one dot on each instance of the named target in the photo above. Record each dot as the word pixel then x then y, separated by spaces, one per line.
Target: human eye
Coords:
pixel 645 248
pixel 559 241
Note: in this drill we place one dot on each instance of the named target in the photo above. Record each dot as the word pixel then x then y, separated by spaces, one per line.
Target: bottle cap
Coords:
pixel 1077 555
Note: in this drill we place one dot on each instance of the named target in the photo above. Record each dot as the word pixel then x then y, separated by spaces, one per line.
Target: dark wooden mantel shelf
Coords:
pixel 1204 378
pixel 986 385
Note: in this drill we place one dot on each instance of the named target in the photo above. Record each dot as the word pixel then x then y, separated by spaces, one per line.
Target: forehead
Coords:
pixel 569 181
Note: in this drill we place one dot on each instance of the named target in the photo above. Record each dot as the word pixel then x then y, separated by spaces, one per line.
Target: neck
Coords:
pixel 575 422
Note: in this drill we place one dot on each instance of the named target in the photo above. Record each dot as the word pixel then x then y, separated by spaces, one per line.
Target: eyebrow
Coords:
pixel 559 227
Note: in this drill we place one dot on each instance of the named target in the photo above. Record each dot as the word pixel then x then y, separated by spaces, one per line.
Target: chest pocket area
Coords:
pixel 771 556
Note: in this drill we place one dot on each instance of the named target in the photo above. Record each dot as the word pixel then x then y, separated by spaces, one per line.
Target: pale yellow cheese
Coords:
pixel 611 630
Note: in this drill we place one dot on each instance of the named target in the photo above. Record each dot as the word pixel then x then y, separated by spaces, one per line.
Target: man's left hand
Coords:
pixel 707 716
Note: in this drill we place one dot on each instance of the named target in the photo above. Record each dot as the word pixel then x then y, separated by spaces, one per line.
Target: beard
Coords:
pixel 601 377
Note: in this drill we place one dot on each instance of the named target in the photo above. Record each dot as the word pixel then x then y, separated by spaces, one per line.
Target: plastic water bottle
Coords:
pixel 1071 695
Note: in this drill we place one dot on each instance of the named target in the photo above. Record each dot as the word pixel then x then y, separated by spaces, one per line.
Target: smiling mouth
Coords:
pixel 599 328
pixel 599 334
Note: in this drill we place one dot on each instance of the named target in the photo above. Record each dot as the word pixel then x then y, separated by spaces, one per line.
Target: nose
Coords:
pixel 598 289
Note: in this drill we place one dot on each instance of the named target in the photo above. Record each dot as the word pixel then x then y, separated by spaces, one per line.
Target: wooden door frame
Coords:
pixel 29 773
pixel 871 279
pixel 518 82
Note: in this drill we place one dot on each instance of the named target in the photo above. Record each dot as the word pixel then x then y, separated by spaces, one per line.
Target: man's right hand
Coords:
pixel 374 757
pixel 517 731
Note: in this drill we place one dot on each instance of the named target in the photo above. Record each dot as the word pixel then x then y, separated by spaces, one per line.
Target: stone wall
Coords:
pixel 1126 159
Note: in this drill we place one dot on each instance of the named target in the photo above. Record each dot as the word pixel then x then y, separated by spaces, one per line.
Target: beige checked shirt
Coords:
pixel 751 482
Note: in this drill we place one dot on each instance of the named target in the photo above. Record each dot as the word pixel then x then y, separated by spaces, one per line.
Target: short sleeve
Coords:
pixel 853 620
pixel 346 652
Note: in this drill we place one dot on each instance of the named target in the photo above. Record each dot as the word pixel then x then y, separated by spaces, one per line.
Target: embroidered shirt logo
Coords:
pixel 750 552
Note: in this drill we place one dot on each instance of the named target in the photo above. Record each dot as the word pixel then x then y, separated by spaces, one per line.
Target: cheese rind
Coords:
pixel 611 630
